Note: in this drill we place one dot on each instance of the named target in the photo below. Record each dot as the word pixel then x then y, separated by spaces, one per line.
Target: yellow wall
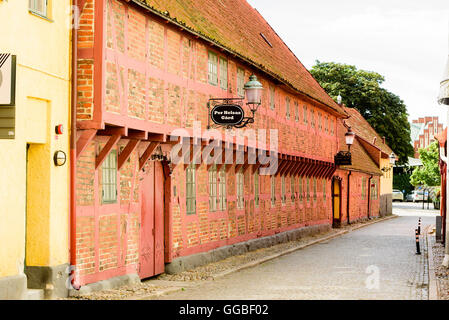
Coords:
pixel 35 224
pixel 386 181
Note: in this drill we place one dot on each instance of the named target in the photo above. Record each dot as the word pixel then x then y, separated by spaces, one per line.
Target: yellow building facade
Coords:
pixel 386 187
pixel 34 192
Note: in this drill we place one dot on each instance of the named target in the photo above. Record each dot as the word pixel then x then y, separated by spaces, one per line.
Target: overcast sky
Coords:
pixel 406 41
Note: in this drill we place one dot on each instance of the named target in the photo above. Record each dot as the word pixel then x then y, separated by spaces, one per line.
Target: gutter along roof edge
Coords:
pixel 180 24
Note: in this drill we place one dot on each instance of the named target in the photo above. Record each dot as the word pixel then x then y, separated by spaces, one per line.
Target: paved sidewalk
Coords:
pixel 165 284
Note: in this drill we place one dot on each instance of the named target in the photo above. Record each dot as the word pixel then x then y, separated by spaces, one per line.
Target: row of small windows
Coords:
pixel 215 63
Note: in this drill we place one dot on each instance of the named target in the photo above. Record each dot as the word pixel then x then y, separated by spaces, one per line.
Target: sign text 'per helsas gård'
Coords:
pixel 227 114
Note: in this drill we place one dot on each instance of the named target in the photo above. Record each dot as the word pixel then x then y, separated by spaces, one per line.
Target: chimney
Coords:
pixel 383 139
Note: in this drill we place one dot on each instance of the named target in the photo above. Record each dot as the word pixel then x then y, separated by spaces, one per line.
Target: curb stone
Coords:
pixel 262 260
pixel 433 283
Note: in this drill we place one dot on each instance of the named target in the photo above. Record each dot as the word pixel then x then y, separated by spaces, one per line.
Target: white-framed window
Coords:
pixel 213 188
pixel 320 127
pixel 331 124
pixel 272 91
pixel 256 189
pixel 240 198
pixel 287 107
pixel 212 68
pixel 283 197
pixel 326 124
pixel 240 82
pixel 324 189
pixel 223 73
pixel 109 178
pixel 296 111
pixel 273 190
pixel 38 6
pixel 305 114
pixel 314 189
pixel 222 189
pixel 191 189
pixel 292 188
pixel 300 189
pixel 312 118
pixel 374 189
pixel 308 189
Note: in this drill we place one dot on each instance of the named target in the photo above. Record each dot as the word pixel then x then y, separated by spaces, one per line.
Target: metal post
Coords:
pixel 419 226
pixel 418 251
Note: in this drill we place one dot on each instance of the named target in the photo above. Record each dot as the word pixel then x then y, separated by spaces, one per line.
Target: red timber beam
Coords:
pixel 252 159
pixel 241 165
pixel 286 168
pixel 306 164
pixel 311 164
pixel 301 164
pixel 283 162
pixel 147 154
pixel 126 153
pixel 84 140
pixel 289 171
pixel 331 172
pixel 321 169
pixel 106 150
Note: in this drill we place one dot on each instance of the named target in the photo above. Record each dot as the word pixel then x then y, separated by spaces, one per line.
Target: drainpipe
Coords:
pixel 74 102
pixel 347 200
pixel 369 195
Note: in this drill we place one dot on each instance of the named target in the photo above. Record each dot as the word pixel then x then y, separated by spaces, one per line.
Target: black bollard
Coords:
pixel 418 251
pixel 419 226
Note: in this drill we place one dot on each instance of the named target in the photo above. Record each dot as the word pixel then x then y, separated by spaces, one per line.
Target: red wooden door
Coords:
pixel 152 221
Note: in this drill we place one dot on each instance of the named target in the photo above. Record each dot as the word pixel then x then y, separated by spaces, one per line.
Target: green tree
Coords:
pixel 362 90
pixel 429 174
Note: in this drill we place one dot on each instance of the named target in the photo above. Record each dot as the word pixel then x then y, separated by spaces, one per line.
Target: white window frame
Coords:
pixel 283 196
pixel 109 174
pixel 273 190
pixel 212 67
pixel 213 188
pixel 191 189
pixel 272 97
pixel 287 108
pixel 223 73
pixel 240 82
pixel 240 190
pixel 222 189
pixel 33 6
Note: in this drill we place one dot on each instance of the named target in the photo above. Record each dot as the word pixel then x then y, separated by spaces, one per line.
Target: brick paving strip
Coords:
pixel 438 275
pixel 433 283
pixel 165 284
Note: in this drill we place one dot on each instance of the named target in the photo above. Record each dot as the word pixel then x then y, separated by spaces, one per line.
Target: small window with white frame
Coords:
pixel 283 197
pixel 240 198
pixel 213 188
pixel 223 73
pixel 190 189
pixel 240 82
pixel 296 111
pixel 109 178
pixel 273 190
pixel 287 108
pixel 272 91
pixel 212 68
pixel 39 7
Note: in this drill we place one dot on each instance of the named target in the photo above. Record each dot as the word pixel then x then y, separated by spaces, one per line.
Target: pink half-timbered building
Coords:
pixel 147 68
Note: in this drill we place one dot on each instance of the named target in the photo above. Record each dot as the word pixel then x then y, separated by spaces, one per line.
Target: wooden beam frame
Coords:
pixel 84 140
pixel 106 150
pixel 147 154
pixel 126 153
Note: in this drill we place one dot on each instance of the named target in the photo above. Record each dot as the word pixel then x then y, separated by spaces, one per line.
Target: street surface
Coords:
pixel 374 262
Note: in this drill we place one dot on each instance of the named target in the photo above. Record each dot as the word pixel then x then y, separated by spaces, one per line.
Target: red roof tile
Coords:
pixel 236 26
pixel 364 130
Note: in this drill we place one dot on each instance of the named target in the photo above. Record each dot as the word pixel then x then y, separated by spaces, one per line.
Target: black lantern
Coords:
pixel 228 112
pixel 349 137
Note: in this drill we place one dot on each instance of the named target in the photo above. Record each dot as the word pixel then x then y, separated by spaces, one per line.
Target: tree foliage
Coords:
pixel 429 173
pixel 362 90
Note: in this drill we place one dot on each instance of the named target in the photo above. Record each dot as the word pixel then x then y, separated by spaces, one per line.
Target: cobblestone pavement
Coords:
pixel 375 262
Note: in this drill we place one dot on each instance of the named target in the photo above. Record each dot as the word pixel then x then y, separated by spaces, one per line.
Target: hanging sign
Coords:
pixel 227 114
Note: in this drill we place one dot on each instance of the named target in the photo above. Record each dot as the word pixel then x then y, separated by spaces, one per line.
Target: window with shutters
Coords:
pixel 223 74
pixel 212 68
pixel 190 189
pixel 109 178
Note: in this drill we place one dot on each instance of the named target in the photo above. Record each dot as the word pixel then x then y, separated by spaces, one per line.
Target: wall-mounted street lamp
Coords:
pixel 392 158
pixel 344 157
pixel 228 112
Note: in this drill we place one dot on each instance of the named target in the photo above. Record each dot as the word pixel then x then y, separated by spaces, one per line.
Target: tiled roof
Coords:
pixel 361 161
pixel 237 27
pixel 364 130
pixel 442 137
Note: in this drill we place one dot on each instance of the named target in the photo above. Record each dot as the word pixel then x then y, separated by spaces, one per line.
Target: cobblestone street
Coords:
pixel 374 262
